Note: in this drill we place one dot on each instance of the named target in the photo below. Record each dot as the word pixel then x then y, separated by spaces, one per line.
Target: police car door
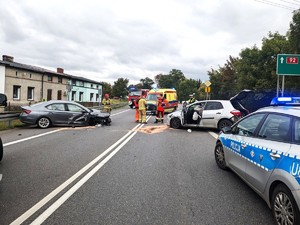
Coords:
pixel 238 142
pixel 267 150
pixel 291 163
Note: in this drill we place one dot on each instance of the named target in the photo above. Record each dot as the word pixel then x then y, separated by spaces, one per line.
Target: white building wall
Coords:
pixel 2 79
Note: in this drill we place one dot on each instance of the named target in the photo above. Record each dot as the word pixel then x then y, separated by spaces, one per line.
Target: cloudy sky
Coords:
pixel 105 40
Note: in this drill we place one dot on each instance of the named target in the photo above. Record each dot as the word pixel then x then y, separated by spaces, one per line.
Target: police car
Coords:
pixel 263 148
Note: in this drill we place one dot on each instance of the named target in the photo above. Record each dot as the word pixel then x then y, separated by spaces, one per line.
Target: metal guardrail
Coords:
pixel 9 117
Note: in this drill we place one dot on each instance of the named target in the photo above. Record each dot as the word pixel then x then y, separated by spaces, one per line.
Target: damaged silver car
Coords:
pixel 58 112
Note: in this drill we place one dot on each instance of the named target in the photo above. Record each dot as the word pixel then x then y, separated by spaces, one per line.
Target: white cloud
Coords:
pixel 104 40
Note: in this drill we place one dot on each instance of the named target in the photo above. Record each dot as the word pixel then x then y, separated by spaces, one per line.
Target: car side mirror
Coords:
pixel 226 130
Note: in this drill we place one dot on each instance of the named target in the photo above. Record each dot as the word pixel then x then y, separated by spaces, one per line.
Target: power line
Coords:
pixel 276 4
pixel 297 4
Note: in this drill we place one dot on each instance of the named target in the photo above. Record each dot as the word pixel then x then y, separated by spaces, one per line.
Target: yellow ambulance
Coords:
pixel 170 95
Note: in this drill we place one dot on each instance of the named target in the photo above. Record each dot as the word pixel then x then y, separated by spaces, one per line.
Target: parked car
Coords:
pixel 215 114
pixel 263 149
pixel 58 112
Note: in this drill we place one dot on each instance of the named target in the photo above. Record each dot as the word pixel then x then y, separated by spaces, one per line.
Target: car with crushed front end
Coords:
pixel 214 114
pixel 263 149
pixel 59 112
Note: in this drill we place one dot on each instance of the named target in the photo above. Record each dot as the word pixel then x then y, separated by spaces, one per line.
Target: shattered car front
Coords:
pixel 58 112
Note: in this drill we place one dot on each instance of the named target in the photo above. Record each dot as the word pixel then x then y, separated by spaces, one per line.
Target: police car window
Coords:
pixel 213 106
pixel 297 131
pixel 247 126
pixel 276 127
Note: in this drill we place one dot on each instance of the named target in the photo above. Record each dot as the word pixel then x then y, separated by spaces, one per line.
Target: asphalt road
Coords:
pixel 120 175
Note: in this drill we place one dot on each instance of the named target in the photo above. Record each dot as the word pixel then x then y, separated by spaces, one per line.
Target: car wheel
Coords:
pixel 224 123
pixel 1 149
pixel 175 123
pixel 44 122
pixel 220 156
pixel 284 207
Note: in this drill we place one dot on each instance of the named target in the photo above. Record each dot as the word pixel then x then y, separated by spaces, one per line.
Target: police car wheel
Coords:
pixel 175 123
pixel 284 207
pixel 1 149
pixel 220 156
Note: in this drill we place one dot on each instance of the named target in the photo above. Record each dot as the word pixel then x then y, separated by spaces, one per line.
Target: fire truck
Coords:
pixel 134 94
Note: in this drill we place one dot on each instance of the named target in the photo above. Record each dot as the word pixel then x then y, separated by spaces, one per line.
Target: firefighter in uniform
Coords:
pixel 136 105
pixel 106 103
pixel 160 110
pixel 142 110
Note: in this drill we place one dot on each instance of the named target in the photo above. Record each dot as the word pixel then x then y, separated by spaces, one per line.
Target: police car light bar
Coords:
pixel 285 101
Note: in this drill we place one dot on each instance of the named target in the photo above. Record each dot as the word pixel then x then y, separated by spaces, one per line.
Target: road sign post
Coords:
pixel 287 65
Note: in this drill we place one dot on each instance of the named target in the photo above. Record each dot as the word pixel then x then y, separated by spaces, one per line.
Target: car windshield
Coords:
pixel 133 93
pixel 152 97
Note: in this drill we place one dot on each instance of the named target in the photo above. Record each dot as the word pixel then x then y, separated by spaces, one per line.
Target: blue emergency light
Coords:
pixel 292 101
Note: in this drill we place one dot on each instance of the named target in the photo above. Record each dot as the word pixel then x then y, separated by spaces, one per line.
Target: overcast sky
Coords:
pixel 104 40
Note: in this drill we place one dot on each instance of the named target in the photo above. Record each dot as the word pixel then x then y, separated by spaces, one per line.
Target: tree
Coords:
pixel 294 33
pixel 107 89
pixel 119 88
pixel 146 83
pixel 170 80
pixel 187 87
pixel 223 81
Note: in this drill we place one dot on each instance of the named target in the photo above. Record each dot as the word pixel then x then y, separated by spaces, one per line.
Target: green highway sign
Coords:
pixel 288 64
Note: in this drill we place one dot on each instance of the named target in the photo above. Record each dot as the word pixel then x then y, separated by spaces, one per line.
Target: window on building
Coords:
pixel 92 86
pixel 97 97
pixel 91 97
pixel 30 75
pixel 73 82
pixel 30 93
pixel 59 93
pixel 73 96
pixel 16 92
pixel 49 94
pixel 16 73
pixel 59 80
pixel 50 78
pixel 80 96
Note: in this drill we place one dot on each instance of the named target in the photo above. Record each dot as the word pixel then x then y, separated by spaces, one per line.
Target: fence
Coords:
pixel 9 117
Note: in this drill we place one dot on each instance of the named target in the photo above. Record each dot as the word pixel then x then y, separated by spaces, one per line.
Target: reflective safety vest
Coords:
pixel 142 104
pixel 106 103
pixel 160 106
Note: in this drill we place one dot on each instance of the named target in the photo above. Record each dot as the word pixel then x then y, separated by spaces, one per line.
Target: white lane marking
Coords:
pixel 46 199
pixel 213 134
pixel 32 137
pixel 72 190
pixel 120 112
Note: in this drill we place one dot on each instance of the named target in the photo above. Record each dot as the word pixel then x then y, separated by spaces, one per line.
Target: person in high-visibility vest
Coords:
pixel 106 103
pixel 192 99
pixel 136 105
pixel 160 110
pixel 142 110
